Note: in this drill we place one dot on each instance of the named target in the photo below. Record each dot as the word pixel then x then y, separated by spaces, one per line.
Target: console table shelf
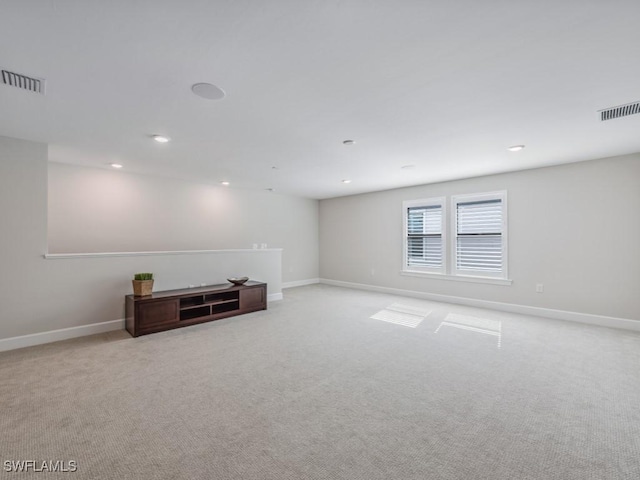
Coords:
pixel 178 308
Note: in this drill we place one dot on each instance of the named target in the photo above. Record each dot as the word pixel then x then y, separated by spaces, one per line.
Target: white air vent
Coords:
pixel 620 111
pixel 24 82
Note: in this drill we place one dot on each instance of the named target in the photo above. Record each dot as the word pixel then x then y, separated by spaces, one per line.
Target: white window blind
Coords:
pixel 424 236
pixel 464 240
pixel 479 239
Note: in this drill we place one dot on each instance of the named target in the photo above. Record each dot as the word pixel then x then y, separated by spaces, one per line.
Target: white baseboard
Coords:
pixel 300 283
pixel 274 297
pixel 74 332
pixel 84 330
pixel 57 335
pixel 600 320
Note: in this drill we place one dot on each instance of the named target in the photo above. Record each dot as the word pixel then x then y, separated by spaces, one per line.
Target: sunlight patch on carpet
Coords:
pixel 402 314
pixel 473 324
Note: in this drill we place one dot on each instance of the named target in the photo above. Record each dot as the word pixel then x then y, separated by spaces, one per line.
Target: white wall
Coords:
pixel 98 210
pixel 39 295
pixel 575 228
pixel 23 238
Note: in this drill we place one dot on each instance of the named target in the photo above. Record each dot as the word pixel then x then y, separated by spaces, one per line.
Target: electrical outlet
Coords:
pixel 539 287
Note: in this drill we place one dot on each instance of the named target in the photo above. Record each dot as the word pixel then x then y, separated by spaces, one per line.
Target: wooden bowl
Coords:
pixel 238 281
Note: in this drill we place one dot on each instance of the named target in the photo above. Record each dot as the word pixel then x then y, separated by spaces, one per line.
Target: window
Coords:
pixel 479 243
pixel 478 226
pixel 424 245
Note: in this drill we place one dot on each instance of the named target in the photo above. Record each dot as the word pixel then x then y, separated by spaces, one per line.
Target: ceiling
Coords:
pixel 439 85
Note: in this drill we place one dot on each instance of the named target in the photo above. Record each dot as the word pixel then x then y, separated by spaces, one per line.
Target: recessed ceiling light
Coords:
pixel 346 181
pixel 407 167
pixel 225 183
pixel 270 189
pixel 208 91
pixel 349 142
pixel 160 138
pixel 274 168
pixel 515 148
pixel 116 165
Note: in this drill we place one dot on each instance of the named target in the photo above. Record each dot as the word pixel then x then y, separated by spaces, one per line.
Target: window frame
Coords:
pixel 504 234
pixel 427 202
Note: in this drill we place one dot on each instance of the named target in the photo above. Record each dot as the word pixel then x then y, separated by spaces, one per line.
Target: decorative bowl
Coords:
pixel 238 281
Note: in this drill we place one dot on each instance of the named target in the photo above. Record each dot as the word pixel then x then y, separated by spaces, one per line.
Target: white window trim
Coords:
pixel 455 199
pixel 427 202
pixel 457 278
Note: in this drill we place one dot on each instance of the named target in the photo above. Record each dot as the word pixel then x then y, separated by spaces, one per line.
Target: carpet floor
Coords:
pixel 331 383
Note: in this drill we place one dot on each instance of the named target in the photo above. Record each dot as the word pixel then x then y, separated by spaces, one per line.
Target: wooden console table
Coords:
pixel 178 308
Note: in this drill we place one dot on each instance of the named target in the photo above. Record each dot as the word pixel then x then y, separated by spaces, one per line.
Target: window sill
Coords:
pixel 457 278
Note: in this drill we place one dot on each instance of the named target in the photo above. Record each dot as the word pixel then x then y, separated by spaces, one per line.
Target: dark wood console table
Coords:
pixel 179 308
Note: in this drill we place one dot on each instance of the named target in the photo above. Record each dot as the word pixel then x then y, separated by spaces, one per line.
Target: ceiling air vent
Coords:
pixel 23 82
pixel 620 111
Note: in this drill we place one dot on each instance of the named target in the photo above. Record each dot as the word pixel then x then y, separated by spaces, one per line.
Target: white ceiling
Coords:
pixel 443 85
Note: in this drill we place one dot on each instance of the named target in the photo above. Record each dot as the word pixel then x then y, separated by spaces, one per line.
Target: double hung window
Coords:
pixel 480 235
pixel 478 227
pixel 424 228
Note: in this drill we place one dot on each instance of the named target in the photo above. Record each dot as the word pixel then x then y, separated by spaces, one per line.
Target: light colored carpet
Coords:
pixel 314 388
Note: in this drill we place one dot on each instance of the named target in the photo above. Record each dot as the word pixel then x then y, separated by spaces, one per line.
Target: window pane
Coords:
pixel 479 252
pixel 424 236
pixel 424 220
pixel 424 251
pixel 480 217
pixel 479 236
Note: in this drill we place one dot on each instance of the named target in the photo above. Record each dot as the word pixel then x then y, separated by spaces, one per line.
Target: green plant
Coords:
pixel 143 276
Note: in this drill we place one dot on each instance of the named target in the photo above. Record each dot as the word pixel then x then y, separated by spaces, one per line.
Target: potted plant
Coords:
pixel 142 284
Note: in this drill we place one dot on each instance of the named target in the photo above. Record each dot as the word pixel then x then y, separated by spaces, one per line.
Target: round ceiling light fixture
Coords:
pixel 225 183
pixel 346 181
pixel 349 142
pixel 515 148
pixel 208 91
pixel 160 138
pixel 116 165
